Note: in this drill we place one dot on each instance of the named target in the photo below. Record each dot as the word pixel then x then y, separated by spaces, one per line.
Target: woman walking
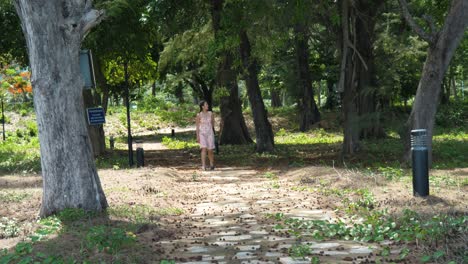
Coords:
pixel 205 134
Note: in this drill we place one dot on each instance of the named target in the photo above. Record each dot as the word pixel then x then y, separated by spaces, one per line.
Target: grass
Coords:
pixel 13 197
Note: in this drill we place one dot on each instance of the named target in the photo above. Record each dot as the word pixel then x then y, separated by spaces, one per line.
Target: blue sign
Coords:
pixel 96 116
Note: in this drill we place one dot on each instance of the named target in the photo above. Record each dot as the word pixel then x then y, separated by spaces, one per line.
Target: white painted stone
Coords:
pixel 197 249
pixel 210 258
pixel 259 232
pixel 246 216
pixel 289 260
pixel 273 254
pixel 324 245
pixel 360 250
pixel 264 202
pixel 275 238
pixel 249 247
pixel 225 244
pixel 235 238
pixel 255 261
pixel 245 255
pixel 331 252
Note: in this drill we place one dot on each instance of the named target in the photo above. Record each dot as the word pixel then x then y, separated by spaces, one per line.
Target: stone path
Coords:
pixel 229 225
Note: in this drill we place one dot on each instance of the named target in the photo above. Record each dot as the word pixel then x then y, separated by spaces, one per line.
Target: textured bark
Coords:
pixel 263 131
pixel 54 31
pixel 357 77
pixel 369 117
pixel 201 88
pixel 331 96
pixel 233 129
pixel 276 98
pixel 347 86
pixel 309 113
pixel 442 46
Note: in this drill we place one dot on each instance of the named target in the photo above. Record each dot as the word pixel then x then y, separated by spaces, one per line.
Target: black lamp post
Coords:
pixel 129 129
pixel 420 162
pixel 3 121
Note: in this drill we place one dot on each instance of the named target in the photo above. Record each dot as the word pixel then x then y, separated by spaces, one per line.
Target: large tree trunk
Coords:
pixel 275 98
pixel 309 113
pixel 233 127
pixel 348 88
pixel 442 46
pixel 263 131
pixel 331 96
pixel 357 76
pixel 369 117
pixel 179 93
pixel 54 31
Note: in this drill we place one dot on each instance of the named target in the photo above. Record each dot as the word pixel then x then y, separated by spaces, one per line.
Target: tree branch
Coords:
pixel 416 28
pixel 430 22
pixel 91 19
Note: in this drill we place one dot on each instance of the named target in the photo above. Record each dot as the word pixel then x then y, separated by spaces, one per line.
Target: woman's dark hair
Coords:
pixel 200 104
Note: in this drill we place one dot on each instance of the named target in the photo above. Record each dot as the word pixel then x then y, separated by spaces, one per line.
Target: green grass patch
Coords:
pixel 20 155
pixel 109 239
pixel 13 197
pixel 9 227
pixel 175 143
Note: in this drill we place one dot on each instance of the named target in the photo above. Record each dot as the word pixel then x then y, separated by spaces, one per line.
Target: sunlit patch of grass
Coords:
pixel 20 154
pixel 174 143
pixel 450 148
pixel 319 136
pixel 8 197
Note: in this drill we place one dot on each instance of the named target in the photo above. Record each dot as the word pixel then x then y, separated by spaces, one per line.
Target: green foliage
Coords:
pixel 168 112
pixel 20 154
pixel 173 143
pixel 8 227
pixel 391 173
pixel 72 214
pixel 299 251
pixel 112 240
pixel 452 115
pixel 114 160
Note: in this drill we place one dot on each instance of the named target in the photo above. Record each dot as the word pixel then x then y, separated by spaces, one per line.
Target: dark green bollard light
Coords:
pixel 419 153
pixel 140 157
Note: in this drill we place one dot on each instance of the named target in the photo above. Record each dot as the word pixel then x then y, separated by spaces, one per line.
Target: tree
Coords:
pixel 54 31
pixel 242 16
pixel 233 127
pixel 12 43
pixel 358 77
pixel 442 45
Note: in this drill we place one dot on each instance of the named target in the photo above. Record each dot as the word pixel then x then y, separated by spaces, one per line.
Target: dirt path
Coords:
pixel 229 224
pixel 226 219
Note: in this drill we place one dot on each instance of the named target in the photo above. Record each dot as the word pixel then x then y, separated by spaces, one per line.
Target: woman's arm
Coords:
pixel 213 121
pixel 197 122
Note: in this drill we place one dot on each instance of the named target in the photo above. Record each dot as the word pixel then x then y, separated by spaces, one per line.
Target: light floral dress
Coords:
pixel 206 130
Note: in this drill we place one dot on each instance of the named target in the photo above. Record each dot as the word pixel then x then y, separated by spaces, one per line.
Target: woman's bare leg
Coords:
pixel 203 157
pixel 211 157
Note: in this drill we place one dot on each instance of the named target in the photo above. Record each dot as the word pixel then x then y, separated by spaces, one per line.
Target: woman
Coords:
pixel 205 134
